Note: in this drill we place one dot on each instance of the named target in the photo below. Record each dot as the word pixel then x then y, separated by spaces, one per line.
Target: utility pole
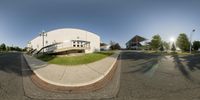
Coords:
pixel 43 34
pixel 191 40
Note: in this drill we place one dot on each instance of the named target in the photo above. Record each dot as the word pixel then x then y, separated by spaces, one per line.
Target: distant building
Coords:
pixel 104 46
pixel 66 41
pixel 135 42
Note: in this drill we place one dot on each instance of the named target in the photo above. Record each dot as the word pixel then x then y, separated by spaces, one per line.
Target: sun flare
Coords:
pixel 172 39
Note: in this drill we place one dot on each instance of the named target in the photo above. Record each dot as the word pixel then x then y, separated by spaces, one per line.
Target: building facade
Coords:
pixel 104 47
pixel 65 40
pixel 135 42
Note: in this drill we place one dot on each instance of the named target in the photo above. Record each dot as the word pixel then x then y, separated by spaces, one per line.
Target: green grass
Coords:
pixel 75 60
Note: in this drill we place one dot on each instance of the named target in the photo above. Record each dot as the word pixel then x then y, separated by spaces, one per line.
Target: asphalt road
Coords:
pixel 143 77
pixel 11 86
pixel 152 77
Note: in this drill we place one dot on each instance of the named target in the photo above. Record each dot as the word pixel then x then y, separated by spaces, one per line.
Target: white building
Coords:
pixel 104 46
pixel 65 41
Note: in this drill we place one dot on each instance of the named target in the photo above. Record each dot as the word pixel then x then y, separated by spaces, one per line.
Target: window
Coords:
pixel 74 45
pixel 77 45
pixel 46 42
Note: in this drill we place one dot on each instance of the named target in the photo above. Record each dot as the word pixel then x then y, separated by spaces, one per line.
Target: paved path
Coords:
pixel 72 76
pixel 175 78
pixel 106 82
pixel 15 86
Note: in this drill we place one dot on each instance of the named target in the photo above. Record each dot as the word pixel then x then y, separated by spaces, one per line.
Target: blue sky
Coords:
pixel 116 20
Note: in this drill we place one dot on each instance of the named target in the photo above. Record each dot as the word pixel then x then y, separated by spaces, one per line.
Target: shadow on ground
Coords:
pixel 146 64
pixel 12 63
pixel 131 55
pixel 144 67
pixel 193 62
pixel 181 67
pixel 187 65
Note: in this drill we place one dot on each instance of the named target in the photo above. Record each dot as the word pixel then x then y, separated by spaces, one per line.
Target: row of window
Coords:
pixel 78 42
pixel 75 42
pixel 77 45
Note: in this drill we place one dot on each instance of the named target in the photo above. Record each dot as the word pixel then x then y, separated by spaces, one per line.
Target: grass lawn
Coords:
pixel 75 60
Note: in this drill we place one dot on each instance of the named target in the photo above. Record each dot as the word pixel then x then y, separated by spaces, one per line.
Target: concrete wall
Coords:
pixel 66 35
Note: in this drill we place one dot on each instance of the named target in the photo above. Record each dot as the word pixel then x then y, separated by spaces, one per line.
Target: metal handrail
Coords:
pixel 59 47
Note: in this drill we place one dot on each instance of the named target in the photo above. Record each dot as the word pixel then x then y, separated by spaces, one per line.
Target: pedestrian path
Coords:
pixel 72 76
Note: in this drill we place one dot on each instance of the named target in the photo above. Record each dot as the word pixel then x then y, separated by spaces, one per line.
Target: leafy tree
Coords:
pixel 196 45
pixel 161 47
pixel 24 49
pixel 173 47
pixel 117 46
pixel 3 47
pixel 155 42
pixel 16 48
pixel 7 48
pixel 114 46
pixel 183 42
pixel 112 43
pixel 166 45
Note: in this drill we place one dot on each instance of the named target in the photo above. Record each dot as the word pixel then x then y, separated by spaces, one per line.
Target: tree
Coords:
pixel 173 47
pixel 16 48
pixel 3 47
pixel 166 45
pixel 114 46
pixel 161 47
pixel 155 42
pixel 7 48
pixel 25 49
pixel 183 42
pixel 196 45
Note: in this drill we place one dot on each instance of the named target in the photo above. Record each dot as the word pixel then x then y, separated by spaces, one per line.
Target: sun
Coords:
pixel 172 39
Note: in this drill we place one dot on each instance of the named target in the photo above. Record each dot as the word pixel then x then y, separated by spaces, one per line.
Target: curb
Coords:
pixel 96 85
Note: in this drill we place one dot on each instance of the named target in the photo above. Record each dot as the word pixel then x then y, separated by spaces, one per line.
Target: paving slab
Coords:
pixel 50 73
pixel 74 76
pixel 79 76
pixel 34 92
pixel 34 63
pixel 104 66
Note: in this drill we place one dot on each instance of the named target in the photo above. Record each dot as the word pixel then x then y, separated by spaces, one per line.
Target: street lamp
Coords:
pixel 191 40
pixel 43 34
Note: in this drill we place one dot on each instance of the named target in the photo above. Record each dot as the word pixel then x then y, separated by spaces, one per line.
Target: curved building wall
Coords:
pixel 66 36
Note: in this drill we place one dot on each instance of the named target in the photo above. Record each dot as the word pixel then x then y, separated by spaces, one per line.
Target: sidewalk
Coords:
pixel 72 76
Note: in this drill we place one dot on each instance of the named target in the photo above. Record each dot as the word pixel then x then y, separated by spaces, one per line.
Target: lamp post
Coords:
pixel 191 40
pixel 43 34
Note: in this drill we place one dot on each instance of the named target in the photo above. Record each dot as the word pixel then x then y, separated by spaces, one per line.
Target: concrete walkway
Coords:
pixel 72 76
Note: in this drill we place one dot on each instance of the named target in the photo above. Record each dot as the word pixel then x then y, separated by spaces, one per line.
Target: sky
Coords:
pixel 116 20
